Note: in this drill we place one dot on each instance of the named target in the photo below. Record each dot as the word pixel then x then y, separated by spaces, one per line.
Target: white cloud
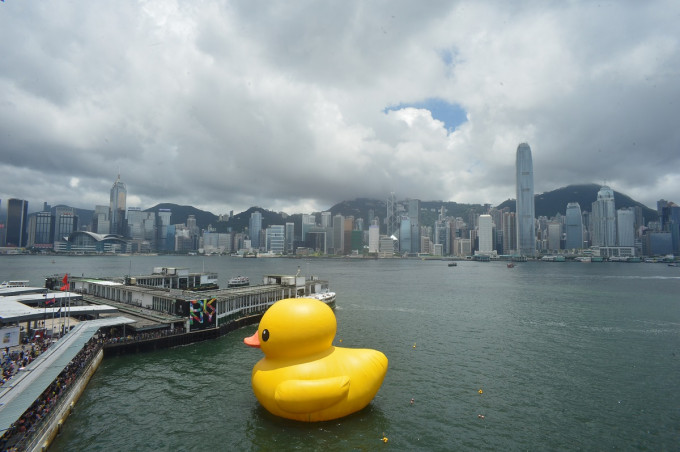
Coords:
pixel 228 105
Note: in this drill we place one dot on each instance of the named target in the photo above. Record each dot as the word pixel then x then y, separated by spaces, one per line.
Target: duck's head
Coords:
pixel 294 327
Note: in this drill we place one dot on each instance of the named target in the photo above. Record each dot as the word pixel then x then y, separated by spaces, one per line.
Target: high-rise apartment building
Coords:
pixel 17 225
pixel 373 238
pixel 604 218
pixel 117 208
pixel 485 234
pixel 525 210
pixel 574 227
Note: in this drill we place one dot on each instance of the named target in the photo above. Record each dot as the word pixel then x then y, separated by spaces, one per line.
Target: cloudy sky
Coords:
pixel 294 106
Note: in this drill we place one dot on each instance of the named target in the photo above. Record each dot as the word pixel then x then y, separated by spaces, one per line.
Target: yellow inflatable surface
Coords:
pixel 302 375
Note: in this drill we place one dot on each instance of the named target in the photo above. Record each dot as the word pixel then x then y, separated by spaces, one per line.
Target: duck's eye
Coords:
pixel 265 335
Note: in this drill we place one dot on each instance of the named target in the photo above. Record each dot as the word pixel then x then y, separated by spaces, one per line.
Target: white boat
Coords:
pixel 326 297
pixel 238 281
pixel 18 283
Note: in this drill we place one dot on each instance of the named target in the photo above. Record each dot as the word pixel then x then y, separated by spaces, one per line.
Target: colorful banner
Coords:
pixel 202 314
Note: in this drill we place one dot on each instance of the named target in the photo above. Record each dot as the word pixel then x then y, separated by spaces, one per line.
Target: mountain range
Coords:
pixel 548 204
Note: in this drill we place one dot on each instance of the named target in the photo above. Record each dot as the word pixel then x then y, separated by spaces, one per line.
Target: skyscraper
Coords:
pixel 414 216
pixel 17 212
pixel 604 218
pixel 65 223
pixel 625 227
pixel 485 234
pixel 574 227
pixel 290 238
pixel 41 230
pixel 526 228
pixel 405 245
pixel 308 222
pixel 162 223
pixel 117 207
pixel 255 227
pixel 338 234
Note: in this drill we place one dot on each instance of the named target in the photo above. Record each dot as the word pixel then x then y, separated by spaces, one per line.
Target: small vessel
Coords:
pixel 238 281
pixel 452 264
pixel 17 283
pixel 511 265
pixel 326 296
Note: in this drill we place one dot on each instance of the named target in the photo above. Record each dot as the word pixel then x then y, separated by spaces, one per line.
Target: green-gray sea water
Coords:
pixel 568 356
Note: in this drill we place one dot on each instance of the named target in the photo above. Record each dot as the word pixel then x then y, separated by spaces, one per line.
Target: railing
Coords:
pixel 29 440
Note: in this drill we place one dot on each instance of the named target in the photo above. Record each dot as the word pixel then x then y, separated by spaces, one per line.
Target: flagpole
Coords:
pixel 45 313
pixel 52 326
pixel 68 297
pixel 61 329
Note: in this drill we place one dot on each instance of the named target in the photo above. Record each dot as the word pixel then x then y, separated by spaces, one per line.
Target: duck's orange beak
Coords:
pixel 252 341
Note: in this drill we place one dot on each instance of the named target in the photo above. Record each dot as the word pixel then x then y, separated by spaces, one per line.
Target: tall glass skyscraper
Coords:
pixel 414 216
pixel 17 213
pixel 405 245
pixel 604 218
pixel 117 207
pixel 525 214
pixel 574 227
pixel 255 228
pixel 625 227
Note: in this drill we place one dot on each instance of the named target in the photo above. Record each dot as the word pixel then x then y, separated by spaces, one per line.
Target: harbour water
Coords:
pixel 543 356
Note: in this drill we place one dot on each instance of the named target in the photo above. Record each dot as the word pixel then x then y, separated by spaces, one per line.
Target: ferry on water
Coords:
pixel 18 283
pixel 238 281
pixel 325 296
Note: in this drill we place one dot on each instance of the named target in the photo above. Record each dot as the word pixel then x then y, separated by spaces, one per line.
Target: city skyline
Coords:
pixel 617 233
pixel 224 107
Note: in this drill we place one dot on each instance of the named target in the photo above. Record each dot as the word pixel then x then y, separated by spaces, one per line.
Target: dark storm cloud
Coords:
pixel 227 105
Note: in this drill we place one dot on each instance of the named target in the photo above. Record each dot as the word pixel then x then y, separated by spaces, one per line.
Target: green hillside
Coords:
pixel 550 203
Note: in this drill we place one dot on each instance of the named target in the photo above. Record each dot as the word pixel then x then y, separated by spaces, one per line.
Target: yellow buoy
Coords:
pixel 480 391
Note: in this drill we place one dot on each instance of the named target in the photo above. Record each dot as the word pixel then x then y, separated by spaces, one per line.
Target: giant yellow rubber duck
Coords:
pixel 302 375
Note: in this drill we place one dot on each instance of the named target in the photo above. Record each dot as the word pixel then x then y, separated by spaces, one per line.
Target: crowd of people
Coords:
pixel 40 409
pixel 114 338
pixel 16 359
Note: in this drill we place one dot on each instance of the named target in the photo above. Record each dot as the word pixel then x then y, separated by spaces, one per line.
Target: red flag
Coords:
pixel 64 288
pixel 65 279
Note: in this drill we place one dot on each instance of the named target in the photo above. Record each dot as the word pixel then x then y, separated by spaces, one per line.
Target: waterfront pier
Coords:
pixel 114 316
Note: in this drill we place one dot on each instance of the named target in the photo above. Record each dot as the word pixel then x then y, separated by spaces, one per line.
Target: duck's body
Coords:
pixel 304 377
